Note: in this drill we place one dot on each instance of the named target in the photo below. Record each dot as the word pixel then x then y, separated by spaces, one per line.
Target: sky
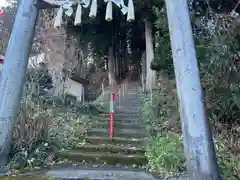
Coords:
pixel 3 3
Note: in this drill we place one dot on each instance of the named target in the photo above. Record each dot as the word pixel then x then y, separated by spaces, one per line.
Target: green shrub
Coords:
pixel 228 161
pixel 217 49
pixel 30 145
pixel 165 153
pixel 41 132
pixel 220 71
pixel 44 127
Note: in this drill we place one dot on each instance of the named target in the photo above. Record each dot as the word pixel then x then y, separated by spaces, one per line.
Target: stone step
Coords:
pixel 117 118
pixel 108 172
pixel 129 98
pixel 132 105
pixel 123 149
pixel 117 125
pixel 126 98
pixel 116 140
pixel 126 106
pixel 118 113
pixel 135 103
pixel 103 157
pixel 126 133
pixel 126 113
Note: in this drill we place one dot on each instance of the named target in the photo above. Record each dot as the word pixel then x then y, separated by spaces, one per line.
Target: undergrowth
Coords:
pixel 47 124
pixel 165 152
pixel 217 47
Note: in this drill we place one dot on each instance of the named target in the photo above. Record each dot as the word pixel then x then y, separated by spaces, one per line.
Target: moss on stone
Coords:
pixel 22 177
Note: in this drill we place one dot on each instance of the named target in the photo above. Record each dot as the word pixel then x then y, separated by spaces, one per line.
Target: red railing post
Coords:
pixel 2 13
pixel 112 115
pixel 111 133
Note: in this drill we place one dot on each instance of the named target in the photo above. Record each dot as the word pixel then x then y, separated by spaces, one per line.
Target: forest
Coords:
pixel 114 44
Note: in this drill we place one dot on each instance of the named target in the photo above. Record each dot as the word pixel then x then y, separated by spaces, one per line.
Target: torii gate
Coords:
pixel 199 147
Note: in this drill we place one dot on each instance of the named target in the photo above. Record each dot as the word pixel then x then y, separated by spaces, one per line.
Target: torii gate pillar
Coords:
pixel 198 141
pixel 13 75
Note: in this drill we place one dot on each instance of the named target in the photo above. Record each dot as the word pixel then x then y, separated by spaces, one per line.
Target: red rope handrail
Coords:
pixel 2 13
pixel 111 133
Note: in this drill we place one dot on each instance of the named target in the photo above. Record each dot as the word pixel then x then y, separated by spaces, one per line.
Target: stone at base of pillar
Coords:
pixel 3 168
pixel 203 176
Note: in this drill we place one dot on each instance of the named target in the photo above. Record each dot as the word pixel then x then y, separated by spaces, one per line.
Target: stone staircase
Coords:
pixel 130 136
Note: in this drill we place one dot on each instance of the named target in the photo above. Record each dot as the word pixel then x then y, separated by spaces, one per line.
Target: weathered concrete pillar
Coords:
pixel 198 142
pixel 14 70
pixel 150 75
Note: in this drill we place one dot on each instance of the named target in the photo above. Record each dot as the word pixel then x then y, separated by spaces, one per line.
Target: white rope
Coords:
pixel 78 17
pixel 131 14
pixel 85 3
pixel 109 16
pixel 124 9
pixel 54 2
pixel 66 7
pixel 93 9
pixel 58 19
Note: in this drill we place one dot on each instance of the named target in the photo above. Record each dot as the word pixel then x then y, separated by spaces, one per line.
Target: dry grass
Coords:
pixel 32 125
pixel 41 131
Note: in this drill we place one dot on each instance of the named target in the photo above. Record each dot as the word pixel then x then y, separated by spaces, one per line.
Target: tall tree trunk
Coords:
pixel 111 75
pixel 136 56
pixel 84 54
pixel 151 75
pixel 138 64
pixel 13 74
pixel 144 69
pixel 198 142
